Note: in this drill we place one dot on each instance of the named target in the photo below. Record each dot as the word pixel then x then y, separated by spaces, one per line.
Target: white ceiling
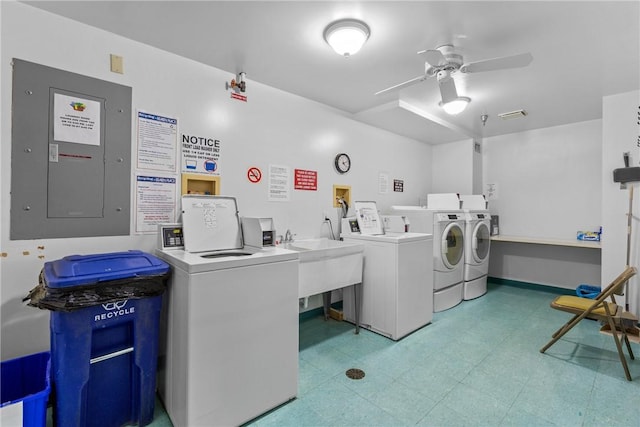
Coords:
pixel 582 50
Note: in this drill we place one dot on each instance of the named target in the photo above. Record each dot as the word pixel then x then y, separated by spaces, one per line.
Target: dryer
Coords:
pixel 476 253
pixel 447 227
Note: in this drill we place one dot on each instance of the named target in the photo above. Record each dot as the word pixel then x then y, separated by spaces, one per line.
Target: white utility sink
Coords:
pixel 325 265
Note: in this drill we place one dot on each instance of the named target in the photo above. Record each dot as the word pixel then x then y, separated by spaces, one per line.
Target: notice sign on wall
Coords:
pixel 200 154
pixel 305 180
pixel 76 120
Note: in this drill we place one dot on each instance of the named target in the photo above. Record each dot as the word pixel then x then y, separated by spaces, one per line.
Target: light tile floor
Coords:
pixel 477 364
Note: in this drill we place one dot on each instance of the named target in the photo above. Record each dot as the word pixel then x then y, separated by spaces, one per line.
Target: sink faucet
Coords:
pixel 288 237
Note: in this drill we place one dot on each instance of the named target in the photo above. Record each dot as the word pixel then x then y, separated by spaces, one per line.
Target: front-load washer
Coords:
pixel 397 283
pixel 476 253
pixel 229 346
pixel 447 228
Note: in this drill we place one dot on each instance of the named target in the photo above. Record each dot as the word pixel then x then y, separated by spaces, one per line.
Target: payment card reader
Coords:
pixel 350 226
pixel 258 232
pixel 170 236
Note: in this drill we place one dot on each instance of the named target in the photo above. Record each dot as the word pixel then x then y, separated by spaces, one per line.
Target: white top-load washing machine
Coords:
pixel 397 283
pixel 229 347
pixel 447 227
pixel 477 246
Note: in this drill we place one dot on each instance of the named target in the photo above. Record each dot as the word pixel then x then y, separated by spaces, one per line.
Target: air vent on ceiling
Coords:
pixel 512 114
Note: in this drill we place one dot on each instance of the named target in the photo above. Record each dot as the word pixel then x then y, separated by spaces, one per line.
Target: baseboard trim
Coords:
pixel 531 286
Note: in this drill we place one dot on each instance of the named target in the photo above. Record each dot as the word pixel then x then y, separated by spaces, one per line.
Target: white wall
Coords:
pixel 273 127
pixel 548 180
pixel 453 168
pixel 620 133
pixel 548 185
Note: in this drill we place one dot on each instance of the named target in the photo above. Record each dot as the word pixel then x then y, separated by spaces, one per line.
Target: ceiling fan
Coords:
pixel 445 61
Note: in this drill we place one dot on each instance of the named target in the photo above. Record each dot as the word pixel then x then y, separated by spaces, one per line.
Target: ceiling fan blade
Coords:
pixel 515 61
pixel 403 84
pixel 435 58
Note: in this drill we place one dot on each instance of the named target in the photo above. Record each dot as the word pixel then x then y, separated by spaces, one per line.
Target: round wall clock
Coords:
pixel 342 163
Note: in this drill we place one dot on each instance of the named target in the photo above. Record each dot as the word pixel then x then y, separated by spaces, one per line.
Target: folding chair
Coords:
pixel 617 319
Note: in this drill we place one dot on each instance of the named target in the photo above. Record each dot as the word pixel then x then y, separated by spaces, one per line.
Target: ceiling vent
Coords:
pixel 512 114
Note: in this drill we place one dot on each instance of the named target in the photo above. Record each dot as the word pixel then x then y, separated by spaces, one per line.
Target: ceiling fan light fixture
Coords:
pixel 455 106
pixel 346 36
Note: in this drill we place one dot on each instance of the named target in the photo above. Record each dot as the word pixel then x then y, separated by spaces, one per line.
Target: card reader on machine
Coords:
pixel 258 232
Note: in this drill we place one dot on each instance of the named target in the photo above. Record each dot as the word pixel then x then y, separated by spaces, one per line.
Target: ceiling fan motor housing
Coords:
pixel 453 61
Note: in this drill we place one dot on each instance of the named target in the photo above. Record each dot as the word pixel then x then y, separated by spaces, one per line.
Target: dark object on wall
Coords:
pixel 623 175
pixel 495 225
pixel 70 154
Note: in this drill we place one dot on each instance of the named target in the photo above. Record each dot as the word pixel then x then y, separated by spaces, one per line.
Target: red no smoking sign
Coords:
pixel 254 174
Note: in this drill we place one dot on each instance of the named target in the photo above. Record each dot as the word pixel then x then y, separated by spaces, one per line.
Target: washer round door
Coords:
pixel 480 242
pixel 452 245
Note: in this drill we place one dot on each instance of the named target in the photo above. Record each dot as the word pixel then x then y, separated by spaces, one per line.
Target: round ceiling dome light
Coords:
pixel 346 36
pixel 456 106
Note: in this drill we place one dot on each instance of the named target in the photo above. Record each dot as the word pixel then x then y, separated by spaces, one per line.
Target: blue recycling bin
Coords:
pixel 104 356
pixel 26 381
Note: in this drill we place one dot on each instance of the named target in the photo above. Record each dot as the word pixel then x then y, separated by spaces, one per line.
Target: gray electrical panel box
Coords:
pixel 70 154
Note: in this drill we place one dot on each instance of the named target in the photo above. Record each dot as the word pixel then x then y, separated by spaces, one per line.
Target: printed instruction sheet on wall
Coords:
pixel 156 202
pixel 76 120
pixel 279 177
pixel 383 182
pixel 157 142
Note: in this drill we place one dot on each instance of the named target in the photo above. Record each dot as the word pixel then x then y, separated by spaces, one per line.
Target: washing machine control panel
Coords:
pixel 170 236
pixel 449 217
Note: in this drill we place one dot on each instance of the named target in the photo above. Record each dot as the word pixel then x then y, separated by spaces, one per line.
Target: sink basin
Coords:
pixel 314 249
pixel 325 264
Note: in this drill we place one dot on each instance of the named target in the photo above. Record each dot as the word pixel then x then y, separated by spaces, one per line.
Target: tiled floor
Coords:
pixel 477 364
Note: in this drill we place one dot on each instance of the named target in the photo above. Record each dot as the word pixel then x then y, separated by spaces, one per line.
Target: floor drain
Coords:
pixel 355 374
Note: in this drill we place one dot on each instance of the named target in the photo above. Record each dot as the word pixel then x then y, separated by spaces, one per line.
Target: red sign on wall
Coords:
pixel 254 174
pixel 305 180
pixel 238 97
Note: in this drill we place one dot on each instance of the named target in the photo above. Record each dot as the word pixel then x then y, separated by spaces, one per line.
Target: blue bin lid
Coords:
pixel 75 270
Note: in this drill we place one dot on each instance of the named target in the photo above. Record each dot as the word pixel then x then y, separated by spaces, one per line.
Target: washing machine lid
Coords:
pixel 210 223
pixel 368 218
